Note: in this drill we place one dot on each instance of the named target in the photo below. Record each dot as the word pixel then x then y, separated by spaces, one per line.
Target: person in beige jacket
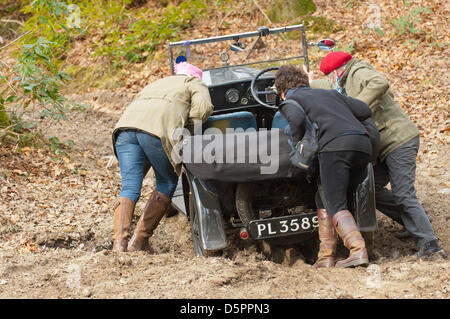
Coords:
pixel 144 138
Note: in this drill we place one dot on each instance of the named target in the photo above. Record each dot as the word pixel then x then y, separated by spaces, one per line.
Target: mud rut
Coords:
pixel 56 230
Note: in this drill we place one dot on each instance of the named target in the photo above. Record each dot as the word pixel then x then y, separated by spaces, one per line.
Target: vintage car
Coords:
pixel 275 208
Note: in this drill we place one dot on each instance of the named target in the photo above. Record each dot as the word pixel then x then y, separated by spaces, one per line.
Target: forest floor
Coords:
pixel 56 213
pixel 56 228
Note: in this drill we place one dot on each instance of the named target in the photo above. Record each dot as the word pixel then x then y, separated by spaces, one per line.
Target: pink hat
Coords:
pixel 188 69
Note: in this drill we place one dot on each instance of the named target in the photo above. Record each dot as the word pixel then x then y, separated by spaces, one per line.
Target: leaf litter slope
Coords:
pixel 56 216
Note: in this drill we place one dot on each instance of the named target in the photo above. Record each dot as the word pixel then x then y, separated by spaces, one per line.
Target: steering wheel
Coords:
pixel 256 93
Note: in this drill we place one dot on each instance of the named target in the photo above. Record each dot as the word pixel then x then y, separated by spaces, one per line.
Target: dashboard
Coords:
pixel 236 95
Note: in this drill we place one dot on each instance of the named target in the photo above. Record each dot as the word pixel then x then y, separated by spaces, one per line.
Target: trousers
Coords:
pixel 336 170
pixel 137 151
pixel 401 203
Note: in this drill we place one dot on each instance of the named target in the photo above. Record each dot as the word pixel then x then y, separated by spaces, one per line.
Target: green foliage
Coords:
pixel 350 48
pixel 125 32
pixel 408 23
pixel 58 147
pixel 40 80
pixel 318 26
pixel 48 20
pixel 36 80
pixel 22 129
pixel 4 119
pixel 348 4
pixel 377 30
pixel 282 10
pixel 11 18
pixel 95 76
pixel 146 33
pixel 321 25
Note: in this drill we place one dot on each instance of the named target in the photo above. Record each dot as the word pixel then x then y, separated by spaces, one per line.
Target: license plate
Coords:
pixel 283 226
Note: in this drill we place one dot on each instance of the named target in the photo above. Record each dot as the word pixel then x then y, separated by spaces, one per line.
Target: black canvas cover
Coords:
pixel 240 157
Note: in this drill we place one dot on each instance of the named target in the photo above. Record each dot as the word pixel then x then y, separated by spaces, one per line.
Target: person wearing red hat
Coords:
pixel 398 148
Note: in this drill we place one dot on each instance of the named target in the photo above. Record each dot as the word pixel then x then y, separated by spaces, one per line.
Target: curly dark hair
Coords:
pixel 290 77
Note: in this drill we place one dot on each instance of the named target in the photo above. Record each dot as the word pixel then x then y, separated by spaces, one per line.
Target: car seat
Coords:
pixel 279 121
pixel 243 119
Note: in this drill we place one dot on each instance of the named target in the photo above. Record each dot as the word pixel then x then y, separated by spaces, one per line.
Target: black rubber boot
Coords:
pixel 431 249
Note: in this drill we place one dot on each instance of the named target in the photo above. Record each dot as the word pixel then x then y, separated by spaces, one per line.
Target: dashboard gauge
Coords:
pixel 232 95
pixel 224 56
pixel 249 94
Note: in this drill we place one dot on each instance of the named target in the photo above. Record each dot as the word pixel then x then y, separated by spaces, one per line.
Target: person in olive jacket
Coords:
pixel 399 144
pixel 144 138
pixel 344 151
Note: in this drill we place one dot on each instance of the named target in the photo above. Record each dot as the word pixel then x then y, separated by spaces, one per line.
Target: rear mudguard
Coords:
pixel 364 202
pixel 212 230
pixel 178 198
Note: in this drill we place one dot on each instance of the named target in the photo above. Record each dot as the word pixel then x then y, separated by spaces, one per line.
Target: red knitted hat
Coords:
pixel 333 61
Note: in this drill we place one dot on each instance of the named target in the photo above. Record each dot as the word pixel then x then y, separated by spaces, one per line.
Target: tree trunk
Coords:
pixel 284 10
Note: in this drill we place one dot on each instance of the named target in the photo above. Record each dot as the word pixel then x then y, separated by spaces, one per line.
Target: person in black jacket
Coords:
pixel 344 151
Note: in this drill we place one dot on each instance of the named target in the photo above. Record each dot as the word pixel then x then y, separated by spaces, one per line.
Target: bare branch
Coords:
pixel 262 11
pixel 7 130
pixel 10 43
pixel 12 21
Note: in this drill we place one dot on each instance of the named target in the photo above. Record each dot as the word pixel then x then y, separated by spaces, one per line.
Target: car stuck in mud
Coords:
pixel 237 172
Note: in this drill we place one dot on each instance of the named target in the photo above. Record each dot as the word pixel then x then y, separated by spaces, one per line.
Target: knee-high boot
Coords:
pixel 123 213
pixel 328 240
pixel 153 213
pixel 347 229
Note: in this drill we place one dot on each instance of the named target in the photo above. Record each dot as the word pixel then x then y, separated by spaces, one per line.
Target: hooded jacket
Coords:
pixel 361 81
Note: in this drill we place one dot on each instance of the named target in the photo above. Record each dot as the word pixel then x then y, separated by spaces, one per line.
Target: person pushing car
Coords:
pixel 398 148
pixel 143 138
pixel 344 150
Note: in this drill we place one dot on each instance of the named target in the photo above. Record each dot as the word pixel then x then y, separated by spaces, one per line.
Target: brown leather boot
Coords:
pixel 347 229
pixel 154 211
pixel 123 213
pixel 328 241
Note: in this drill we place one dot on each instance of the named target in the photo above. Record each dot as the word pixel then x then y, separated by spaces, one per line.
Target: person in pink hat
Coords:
pixel 142 139
pixel 399 144
pixel 188 69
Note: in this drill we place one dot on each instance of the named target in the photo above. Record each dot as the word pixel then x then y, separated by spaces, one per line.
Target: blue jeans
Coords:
pixel 137 152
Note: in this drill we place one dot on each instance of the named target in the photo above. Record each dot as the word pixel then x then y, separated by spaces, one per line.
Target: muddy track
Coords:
pixel 56 225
